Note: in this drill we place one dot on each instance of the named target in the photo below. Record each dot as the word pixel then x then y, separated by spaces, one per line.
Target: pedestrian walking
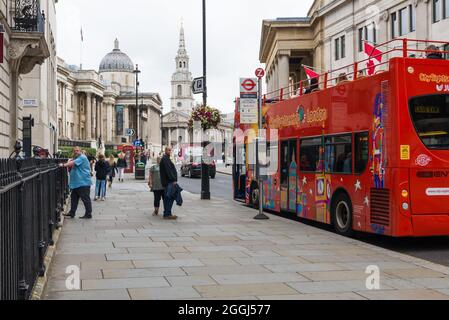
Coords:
pixel 169 180
pixel 80 183
pixel 155 185
pixel 112 170
pixel 102 171
pixel 121 166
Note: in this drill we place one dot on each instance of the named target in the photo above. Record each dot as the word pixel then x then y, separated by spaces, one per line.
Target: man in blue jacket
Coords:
pixel 80 183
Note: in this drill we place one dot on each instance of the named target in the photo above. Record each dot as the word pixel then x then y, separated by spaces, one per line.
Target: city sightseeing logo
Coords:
pixel 299 118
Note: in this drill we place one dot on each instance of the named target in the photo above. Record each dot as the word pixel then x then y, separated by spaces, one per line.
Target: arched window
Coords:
pixel 184 64
pixel 180 64
pixel 179 90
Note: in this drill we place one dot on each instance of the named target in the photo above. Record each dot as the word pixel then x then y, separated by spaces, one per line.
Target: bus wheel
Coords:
pixel 255 197
pixel 342 214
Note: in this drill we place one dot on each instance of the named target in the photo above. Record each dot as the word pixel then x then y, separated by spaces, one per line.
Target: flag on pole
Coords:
pixel 371 67
pixel 310 73
pixel 373 52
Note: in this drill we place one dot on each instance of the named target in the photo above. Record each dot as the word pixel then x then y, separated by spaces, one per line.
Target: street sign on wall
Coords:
pixel 130 132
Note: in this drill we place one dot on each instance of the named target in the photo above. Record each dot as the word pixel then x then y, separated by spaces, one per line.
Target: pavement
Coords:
pixel 225 170
pixel 216 250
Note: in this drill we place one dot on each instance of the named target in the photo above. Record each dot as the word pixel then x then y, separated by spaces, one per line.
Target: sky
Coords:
pixel 148 31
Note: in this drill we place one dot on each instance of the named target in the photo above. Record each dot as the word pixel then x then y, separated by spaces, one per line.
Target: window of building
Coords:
pixel 361 38
pixel 338 154
pixel 179 90
pixel 310 154
pixel 343 47
pixel 436 11
pixel 394 25
pixel 374 33
pixel 446 9
pixel 337 49
pixel 361 150
pixel 412 17
pixel 403 22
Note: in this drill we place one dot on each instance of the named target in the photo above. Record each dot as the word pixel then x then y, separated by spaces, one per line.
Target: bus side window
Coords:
pixel 284 162
pixel 361 152
pixel 310 154
pixel 338 154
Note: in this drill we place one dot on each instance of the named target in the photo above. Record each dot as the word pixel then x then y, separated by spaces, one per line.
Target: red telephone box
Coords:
pixel 128 150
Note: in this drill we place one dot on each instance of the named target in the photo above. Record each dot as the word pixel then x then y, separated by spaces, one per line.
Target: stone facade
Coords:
pixel 28 73
pixel 97 107
pixel 330 37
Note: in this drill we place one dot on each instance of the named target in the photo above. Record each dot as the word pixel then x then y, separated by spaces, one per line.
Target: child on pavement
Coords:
pixel 102 170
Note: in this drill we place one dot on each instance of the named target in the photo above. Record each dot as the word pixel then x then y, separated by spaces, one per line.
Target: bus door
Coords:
pixel 289 175
pixel 239 171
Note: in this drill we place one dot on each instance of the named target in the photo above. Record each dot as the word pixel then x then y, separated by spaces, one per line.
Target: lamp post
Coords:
pixel 136 72
pixel 205 182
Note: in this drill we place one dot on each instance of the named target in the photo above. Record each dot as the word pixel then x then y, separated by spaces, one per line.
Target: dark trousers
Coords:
pixel 158 196
pixel 168 201
pixel 82 193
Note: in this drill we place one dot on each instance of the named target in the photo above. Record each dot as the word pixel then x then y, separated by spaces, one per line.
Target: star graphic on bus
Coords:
pixel 304 181
pixel 367 201
pixel 358 186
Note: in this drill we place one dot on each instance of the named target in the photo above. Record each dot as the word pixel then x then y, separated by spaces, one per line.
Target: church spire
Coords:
pixel 182 42
pixel 116 44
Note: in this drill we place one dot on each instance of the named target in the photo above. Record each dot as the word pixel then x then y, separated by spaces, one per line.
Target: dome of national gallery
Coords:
pixel 116 61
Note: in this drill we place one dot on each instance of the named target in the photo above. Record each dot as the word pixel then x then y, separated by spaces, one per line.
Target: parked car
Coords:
pixel 192 168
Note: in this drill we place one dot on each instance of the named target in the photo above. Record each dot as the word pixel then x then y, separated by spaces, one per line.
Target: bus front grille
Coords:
pixel 380 207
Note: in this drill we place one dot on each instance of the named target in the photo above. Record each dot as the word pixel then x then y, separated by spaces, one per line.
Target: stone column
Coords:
pixel 125 117
pixel 284 73
pixel 88 124
pixel 109 120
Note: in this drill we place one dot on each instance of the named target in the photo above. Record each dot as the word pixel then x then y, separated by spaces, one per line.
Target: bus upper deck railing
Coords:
pixel 32 197
pixel 400 47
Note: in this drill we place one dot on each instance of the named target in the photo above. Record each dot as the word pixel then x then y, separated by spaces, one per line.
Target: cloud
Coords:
pixel 148 31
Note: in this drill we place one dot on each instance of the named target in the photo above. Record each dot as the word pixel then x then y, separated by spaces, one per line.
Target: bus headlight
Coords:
pixel 405 206
pixel 404 193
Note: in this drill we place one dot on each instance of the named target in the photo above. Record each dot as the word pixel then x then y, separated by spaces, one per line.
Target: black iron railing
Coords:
pixel 28 17
pixel 32 197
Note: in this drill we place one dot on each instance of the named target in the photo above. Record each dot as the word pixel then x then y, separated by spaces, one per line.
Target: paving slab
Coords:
pixel 219 251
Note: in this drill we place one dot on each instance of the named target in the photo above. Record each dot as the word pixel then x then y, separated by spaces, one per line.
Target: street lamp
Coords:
pixel 205 182
pixel 136 72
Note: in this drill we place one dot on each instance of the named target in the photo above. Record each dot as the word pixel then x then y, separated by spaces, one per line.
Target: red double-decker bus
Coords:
pixel 369 153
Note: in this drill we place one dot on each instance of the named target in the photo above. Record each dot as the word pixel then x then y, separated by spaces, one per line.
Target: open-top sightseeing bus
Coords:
pixel 367 154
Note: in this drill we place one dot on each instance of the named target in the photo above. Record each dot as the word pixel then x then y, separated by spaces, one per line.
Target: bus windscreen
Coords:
pixel 430 115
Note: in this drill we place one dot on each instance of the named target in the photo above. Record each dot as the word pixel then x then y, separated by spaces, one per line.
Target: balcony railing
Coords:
pixel 28 17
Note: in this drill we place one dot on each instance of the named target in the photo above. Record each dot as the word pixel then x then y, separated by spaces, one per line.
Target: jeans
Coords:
pixel 168 201
pixel 121 173
pixel 100 189
pixel 82 193
pixel 158 196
